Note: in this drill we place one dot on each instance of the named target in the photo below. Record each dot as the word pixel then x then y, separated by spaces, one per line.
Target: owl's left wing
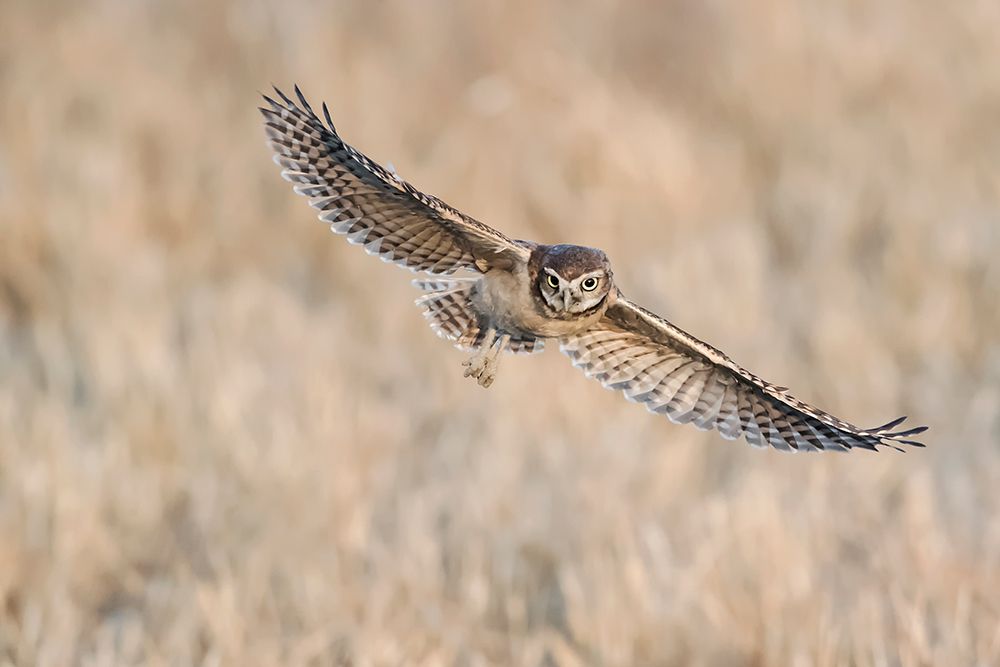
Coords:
pixel 372 206
pixel 673 373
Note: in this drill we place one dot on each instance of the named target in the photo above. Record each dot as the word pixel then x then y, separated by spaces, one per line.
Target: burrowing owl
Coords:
pixel 520 294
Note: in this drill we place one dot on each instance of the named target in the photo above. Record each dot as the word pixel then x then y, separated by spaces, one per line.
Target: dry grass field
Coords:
pixel 228 438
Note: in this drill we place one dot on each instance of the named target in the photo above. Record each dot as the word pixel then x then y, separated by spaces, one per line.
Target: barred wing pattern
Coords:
pixel 672 373
pixel 370 205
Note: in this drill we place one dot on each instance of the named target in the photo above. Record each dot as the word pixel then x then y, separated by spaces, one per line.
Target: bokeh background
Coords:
pixel 228 438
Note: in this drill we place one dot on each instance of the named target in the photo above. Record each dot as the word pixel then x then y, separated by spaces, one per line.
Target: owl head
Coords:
pixel 571 280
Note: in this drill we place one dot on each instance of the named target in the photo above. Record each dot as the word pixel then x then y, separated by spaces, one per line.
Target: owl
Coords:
pixel 516 296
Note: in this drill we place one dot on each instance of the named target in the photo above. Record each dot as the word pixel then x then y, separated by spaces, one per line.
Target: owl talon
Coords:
pixel 483 366
pixel 486 376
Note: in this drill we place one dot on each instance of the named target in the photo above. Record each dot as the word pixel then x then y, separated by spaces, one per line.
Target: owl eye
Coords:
pixel 552 281
pixel 589 284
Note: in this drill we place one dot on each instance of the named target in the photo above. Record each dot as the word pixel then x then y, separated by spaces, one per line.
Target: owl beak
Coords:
pixel 565 297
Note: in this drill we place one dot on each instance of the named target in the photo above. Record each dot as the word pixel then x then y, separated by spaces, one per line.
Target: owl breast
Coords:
pixel 508 302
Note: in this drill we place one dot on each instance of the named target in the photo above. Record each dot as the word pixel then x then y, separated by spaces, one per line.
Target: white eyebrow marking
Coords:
pixel 553 272
pixel 593 274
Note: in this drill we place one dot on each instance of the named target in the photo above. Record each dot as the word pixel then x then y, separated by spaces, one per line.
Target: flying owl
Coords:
pixel 518 295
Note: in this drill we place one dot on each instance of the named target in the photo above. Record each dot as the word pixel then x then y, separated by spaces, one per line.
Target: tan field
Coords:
pixel 227 437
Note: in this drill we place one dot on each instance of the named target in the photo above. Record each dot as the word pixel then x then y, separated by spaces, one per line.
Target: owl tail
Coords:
pixel 449 309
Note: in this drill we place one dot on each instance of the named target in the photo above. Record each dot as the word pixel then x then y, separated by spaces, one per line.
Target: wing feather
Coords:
pixel 673 373
pixel 728 421
pixel 372 206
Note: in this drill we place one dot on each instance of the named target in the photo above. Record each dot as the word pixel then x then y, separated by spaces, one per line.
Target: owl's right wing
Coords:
pixel 673 373
pixel 372 206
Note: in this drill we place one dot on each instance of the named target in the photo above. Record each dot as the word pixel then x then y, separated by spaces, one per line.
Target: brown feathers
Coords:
pixel 371 206
pixel 674 374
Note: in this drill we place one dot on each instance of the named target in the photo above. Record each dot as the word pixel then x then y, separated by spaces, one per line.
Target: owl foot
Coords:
pixel 482 368
pixel 483 365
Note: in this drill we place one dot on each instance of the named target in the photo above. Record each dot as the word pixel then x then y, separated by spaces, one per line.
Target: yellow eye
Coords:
pixel 589 284
pixel 552 281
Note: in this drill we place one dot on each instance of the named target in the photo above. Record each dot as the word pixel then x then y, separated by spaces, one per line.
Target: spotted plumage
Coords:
pixel 519 294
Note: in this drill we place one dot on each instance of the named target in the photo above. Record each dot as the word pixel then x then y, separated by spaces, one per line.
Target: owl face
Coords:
pixel 572 280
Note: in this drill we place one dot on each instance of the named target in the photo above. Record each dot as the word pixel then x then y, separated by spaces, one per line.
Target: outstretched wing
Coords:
pixel 672 373
pixel 373 207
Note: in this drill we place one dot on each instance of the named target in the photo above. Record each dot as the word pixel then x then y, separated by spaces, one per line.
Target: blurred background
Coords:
pixel 228 438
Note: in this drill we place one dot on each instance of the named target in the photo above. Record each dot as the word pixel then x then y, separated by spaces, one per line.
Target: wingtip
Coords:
pixel 303 100
pixel 288 104
pixel 329 120
pixel 913 431
pixel 888 435
pixel 895 440
pixel 275 106
pixel 890 425
pixel 280 93
pixel 913 443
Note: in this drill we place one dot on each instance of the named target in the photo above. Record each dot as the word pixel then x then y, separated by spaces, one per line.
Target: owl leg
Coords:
pixel 483 366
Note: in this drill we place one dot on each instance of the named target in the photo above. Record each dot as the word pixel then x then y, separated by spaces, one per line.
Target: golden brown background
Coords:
pixel 228 438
